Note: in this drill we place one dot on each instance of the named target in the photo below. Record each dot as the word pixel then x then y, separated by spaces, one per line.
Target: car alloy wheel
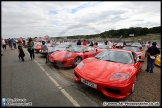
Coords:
pixel 77 61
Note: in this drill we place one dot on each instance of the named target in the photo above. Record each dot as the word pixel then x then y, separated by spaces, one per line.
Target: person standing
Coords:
pixel 79 42
pixel 24 43
pixel 14 43
pixel 10 43
pixel 20 39
pixel 147 45
pixel 31 48
pixel 52 42
pixel 110 44
pixel 3 44
pixel 152 52
pixel 91 43
pixel 95 45
pixel 84 43
pixel 20 51
pixel 44 50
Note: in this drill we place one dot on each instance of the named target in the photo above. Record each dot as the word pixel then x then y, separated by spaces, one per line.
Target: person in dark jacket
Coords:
pixel 79 42
pixel 152 52
pixel 10 43
pixel 20 51
pixel 14 43
pixel 91 44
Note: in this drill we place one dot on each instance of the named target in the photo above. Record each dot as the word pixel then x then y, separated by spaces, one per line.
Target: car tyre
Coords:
pixel 77 61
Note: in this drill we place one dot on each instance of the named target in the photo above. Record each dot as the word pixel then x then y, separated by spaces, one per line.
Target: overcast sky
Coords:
pixel 34 19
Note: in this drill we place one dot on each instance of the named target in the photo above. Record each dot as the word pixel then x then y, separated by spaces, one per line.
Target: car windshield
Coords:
pixel 134 49
pixel 103 46
pixel 75 48
pixel 115 56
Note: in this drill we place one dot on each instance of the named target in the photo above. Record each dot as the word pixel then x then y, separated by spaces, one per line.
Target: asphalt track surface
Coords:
pixel 38 84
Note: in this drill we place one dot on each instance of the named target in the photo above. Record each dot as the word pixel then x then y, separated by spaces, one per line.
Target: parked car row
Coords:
pixel 111 71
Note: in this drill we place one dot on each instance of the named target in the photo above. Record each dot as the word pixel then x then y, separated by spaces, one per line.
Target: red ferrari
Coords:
pixel 113 72
pixel 37 47
pixel 72 56
pixel 135 49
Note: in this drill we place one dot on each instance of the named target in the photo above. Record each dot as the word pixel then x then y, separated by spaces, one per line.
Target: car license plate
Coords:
pixel 89 83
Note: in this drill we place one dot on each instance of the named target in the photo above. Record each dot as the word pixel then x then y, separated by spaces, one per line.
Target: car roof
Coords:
pixel 121 50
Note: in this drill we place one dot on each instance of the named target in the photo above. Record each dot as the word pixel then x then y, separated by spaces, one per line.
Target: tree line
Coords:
pixel 137 31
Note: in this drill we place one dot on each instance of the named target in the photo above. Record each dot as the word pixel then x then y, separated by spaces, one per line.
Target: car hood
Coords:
pixel 99 69
pixel 59 55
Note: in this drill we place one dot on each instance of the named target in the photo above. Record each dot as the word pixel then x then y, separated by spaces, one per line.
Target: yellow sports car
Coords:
pixel 158 59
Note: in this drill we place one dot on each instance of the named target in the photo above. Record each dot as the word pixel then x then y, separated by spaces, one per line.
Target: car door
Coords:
pixel 137 65
pixel 87 52
pixel 92 52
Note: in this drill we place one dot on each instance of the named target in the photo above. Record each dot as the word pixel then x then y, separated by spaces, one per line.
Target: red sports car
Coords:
pixel 113 72
pixel 72 56
pixel 135 49
pixel 37 47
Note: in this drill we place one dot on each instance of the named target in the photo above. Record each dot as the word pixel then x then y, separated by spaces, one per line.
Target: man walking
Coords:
pixel 10 43
pixel 152 52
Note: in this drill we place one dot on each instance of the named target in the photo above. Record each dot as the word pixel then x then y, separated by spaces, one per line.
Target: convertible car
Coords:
pixel 113 72
pixel 72 56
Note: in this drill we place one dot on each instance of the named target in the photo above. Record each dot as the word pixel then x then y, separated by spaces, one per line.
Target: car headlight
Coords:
pixel 80 65
pixel 120 76
pixel 67 56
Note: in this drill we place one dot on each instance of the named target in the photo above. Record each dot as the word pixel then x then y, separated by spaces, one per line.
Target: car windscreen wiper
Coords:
pixel 111 60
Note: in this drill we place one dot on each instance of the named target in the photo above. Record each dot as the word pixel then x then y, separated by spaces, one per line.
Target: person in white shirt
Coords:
pixel 147 45
pixel 44 48
pixel 52 42
pixel 109 44
pixel 3 44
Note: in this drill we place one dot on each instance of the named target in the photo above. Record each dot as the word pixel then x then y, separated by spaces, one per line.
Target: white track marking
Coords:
pixel 59 87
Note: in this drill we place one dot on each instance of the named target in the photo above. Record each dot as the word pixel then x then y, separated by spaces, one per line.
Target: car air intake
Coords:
pixel 114 91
